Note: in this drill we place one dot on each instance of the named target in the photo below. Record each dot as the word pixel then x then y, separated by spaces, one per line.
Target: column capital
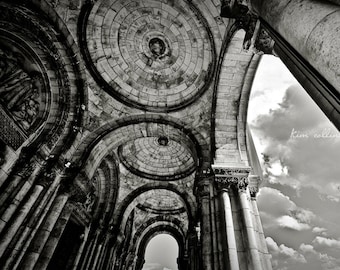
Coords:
pixel 225 176
pixel 47 178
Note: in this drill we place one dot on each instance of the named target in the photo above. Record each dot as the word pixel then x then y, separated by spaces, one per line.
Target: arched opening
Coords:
pixel 161 253
pixel 298 148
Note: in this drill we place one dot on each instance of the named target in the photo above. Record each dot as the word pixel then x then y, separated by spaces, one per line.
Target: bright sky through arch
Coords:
pixel 161 253
pixel 302 184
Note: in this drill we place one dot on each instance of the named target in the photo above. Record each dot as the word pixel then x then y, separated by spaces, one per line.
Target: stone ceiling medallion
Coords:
pixel 163 141
pixel 156 55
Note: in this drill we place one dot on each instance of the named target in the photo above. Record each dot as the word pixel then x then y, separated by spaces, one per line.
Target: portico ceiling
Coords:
pixel 155 70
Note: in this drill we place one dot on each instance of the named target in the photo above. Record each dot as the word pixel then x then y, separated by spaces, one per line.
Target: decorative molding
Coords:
pixel 47 179
pixel 11 134
pixel 232 176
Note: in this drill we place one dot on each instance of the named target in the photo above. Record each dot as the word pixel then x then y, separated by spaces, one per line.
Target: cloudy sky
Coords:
pixel 300 152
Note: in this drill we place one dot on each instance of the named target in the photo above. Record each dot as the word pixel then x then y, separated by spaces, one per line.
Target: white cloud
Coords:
pixel 291 223
pixel 333 198
pixel 322 241
pixel 282 212
pixel 303 215
pixel 306 168
pixel 281 254
pixel 315 258
pixel 299 160
pixel 329 262
pixel 279 205
pixel 267 93
pixel 271 244
pixel 305 248
pixel 319 230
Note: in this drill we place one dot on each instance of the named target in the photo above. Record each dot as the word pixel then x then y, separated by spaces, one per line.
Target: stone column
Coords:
pixel 203 193
pixel 227 179
pixel 231 256
pixel 90 252
pixel 249 225
pixel 38 216
pixel 24 171
pixel 26 176
pixel 114 243
pixel 251 253
pixel 254 182
pixel 97 256
pixel 81 249
pixel 21 215
pixel 34 251
pixel 103 253
pixel 215 232
pixel 53 239
pixel 193 247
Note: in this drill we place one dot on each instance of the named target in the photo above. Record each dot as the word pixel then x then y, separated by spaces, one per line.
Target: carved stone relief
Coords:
pixel 227 177
pixel 19 90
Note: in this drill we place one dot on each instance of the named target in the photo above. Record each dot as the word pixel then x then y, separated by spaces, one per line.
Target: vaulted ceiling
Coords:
pixel 165 92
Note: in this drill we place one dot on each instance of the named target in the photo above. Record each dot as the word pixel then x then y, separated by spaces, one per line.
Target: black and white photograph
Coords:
pixel 169 134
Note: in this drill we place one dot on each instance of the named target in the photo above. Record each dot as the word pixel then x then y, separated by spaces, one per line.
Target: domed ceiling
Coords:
pixel 156 55
pixel 157 158
pixel 160 201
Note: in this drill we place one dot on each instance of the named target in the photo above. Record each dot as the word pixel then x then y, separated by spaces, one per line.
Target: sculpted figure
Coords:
pixel 19 91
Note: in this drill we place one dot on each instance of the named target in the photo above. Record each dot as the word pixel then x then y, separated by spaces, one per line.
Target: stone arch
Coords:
pixel 149 233
pixel 126 206
pixel 94 199
pixel 107 189
pixel 89 145
pixel 61 112
pixel 232 95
